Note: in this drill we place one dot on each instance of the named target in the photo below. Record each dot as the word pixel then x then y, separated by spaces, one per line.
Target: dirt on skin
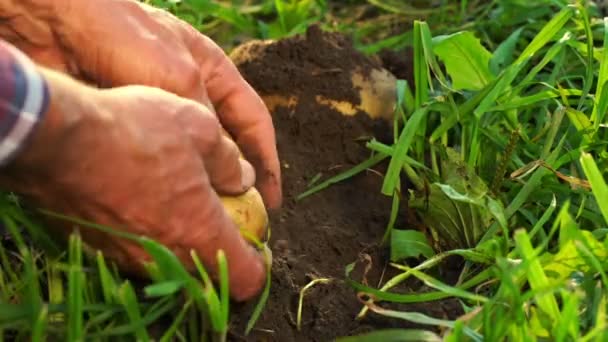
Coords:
pixel 318 236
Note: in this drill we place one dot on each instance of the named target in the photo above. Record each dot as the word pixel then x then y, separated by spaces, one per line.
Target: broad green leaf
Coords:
pixel 568 259
pixel 409 244
pixel 457 208
pixel 466 60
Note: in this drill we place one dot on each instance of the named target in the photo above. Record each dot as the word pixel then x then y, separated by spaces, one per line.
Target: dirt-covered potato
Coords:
pixel 375 87
pixel 316 72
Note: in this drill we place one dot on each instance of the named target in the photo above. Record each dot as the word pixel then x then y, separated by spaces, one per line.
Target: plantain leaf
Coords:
pixel 409 244
pixel 458 209
pixel 466 60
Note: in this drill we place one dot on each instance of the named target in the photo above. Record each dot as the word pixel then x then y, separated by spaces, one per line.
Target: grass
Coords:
pixel 509 102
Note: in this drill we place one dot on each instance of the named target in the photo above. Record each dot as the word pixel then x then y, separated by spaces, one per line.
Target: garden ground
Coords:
pixel 475 212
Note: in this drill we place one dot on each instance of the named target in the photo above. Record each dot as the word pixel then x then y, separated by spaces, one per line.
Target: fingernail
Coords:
pixel 247 174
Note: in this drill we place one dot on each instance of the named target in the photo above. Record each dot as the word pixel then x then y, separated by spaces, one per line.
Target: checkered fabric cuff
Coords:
pixel 24 99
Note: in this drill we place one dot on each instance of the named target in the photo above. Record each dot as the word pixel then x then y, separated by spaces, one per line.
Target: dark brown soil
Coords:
pixel 319 235
pixel 399 63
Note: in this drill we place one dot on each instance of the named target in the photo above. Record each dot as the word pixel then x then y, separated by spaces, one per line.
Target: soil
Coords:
pixel 400 63
pixel 319 235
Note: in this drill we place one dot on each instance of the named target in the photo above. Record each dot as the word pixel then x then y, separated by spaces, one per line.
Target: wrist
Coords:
pixel 40 112
pixel 72 106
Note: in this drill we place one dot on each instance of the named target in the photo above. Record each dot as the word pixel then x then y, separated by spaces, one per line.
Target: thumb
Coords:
pixel 246 267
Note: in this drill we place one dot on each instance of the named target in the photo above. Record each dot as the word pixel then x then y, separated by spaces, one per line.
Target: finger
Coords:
pixel 243 113
pixel 228 173
pixel 215 231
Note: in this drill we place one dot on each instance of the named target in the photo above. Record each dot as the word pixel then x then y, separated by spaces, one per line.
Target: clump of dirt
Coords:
pixel 321 234
pixel 305 66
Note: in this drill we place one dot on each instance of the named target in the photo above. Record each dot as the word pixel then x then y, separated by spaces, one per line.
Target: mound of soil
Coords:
pixel 318 236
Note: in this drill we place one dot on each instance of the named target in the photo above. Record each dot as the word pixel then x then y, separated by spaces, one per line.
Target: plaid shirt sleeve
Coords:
pixel 24 99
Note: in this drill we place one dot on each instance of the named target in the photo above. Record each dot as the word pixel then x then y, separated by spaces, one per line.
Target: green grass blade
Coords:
pixel 209 299
pixel 379 147
pixel 127 297
pixel 108 283
pixel 535 275
pixel 257 311
pixel 75 289
pixel 438 285
pixel 224 288
pixel 569 323
pixel 547 33
pixel 171 331
pixel 420 318
pixel 344 175
pixel 589 74
pixel 601 97
pixel 391 221
pixel 40 325
pixel 421 71
pixel 403 144
pixel 598 184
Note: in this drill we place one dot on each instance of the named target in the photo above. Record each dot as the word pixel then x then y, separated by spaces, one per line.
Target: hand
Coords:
pixel 142 160
pixel 122 42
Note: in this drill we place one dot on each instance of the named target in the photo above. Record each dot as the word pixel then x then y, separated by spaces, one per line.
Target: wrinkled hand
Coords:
pixel 142 160
pixel 122 42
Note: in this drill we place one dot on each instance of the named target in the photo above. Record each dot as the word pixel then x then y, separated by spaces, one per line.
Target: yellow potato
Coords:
pixel 247 211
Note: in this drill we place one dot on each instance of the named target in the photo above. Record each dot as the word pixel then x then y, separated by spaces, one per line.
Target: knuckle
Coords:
pixel 188 72
pixel 202 126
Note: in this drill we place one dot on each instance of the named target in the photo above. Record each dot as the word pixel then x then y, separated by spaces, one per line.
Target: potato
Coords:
pixel 377 95
pixel 247 211
pixel 377 92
